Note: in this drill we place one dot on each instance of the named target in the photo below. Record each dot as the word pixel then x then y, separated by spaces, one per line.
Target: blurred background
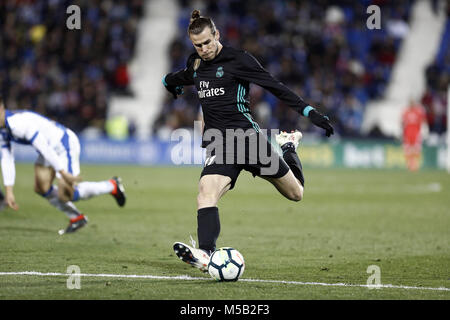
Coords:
pixel 104 79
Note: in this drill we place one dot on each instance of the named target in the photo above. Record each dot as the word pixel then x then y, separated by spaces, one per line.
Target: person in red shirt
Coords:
pixel 412 120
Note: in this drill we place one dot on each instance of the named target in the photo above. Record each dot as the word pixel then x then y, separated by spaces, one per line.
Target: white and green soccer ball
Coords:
pixel 226 264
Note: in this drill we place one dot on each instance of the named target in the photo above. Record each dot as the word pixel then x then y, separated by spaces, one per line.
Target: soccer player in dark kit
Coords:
pixel 222 76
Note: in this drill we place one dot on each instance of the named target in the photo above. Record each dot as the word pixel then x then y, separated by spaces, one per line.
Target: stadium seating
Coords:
pixel 322 51
pixel 438 78
pixel 68 75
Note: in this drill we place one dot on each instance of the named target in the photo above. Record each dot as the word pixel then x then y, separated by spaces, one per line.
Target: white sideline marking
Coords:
pixel 185 277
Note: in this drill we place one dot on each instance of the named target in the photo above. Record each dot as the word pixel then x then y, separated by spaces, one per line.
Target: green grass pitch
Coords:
pixel 347 221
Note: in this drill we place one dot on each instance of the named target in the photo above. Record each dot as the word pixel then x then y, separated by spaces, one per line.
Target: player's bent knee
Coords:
pixel 42 187
pixel 210 189
pixel 39 190
pixel 63 197
pixel 64 194
pixel 205 199
pixel 296 195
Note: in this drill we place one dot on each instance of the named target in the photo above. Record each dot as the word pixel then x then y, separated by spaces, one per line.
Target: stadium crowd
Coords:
pixel 322 50
pixel 437 82
pixel 66 74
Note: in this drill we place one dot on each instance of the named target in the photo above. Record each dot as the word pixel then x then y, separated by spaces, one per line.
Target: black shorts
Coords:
pixel 252 152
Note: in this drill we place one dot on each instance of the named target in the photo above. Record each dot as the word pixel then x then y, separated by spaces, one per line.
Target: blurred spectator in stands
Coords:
pixel 437 83
pixel 322 51
pixel 435 103
pixel 67 75
pixel 351 116
pixel 117 128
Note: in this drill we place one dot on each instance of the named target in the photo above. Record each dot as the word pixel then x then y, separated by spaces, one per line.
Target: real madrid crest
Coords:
pixel 219 72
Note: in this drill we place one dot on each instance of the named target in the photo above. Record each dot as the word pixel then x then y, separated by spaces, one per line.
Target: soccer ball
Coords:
pixel 226 264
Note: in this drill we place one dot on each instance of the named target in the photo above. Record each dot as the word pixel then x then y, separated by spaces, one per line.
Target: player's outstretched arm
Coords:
pixel 249 69
pixel 9 175
pixel 8 165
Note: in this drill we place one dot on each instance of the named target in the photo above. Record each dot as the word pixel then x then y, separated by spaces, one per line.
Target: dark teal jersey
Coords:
pixel 223 88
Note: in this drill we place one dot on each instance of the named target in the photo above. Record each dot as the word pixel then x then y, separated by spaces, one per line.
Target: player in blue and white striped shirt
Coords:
pixel 58 150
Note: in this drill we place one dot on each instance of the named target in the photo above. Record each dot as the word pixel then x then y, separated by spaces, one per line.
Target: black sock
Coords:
pixel 293 161
pixel 208 228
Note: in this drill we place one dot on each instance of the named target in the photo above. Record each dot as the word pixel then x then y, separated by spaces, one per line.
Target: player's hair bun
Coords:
pixel 198 23
pixel 195 15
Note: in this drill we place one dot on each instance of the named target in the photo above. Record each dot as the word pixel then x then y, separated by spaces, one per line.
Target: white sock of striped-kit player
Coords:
pixel 87 189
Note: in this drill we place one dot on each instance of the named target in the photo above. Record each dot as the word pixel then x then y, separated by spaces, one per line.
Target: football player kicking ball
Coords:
pixel 58 156
pixel 222 76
